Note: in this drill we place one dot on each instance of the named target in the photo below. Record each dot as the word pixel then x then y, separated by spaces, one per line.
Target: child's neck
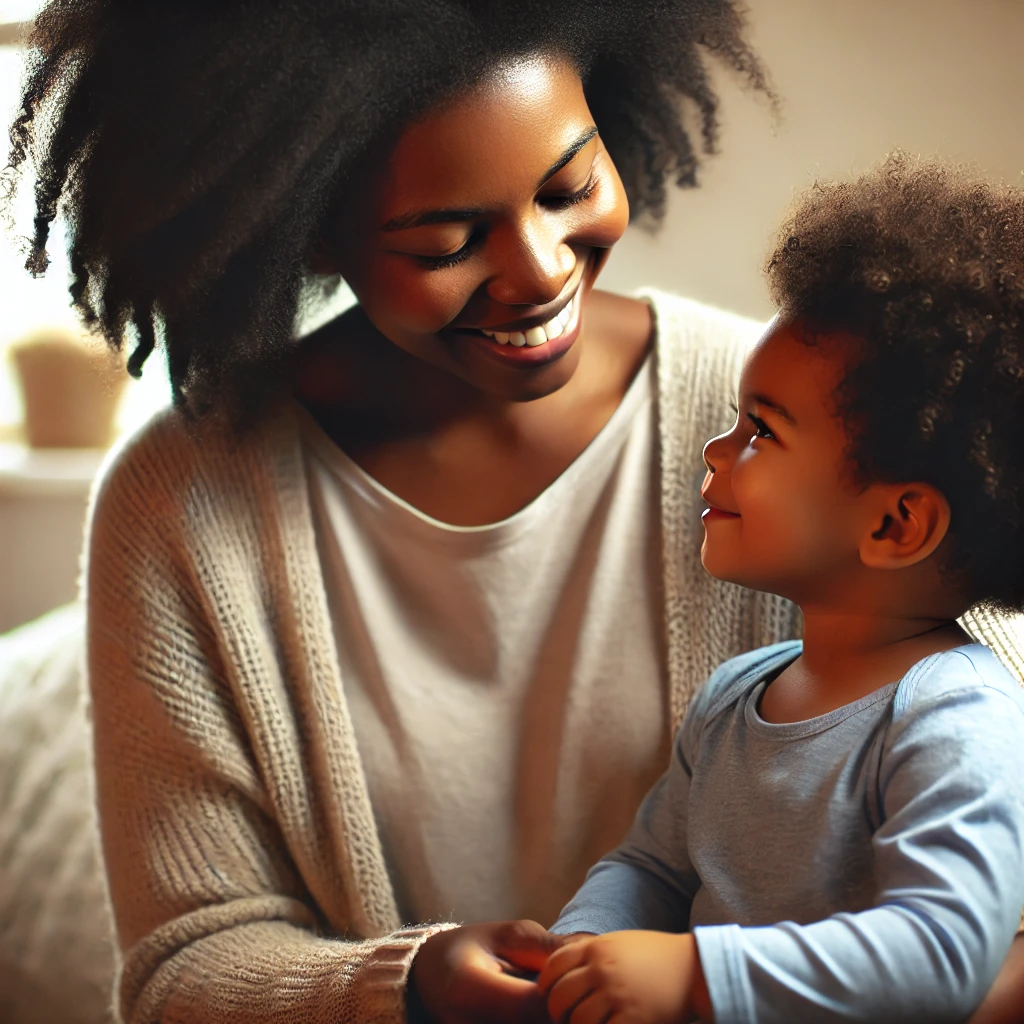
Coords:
pixel 848 656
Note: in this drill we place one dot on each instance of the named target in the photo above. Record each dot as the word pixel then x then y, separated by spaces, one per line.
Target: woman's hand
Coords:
pixel 469 975
pixel 1004 1003
pixel 648 977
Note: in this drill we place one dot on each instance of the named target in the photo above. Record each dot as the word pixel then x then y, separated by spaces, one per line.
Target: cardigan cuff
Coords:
pixel 386 975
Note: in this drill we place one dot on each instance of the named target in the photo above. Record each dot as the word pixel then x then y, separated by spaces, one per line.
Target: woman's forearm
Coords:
pixel 269 972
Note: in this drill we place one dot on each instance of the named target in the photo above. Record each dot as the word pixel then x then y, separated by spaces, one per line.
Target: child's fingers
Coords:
pixel 569 991
pixel 571 955
pixel 595 1008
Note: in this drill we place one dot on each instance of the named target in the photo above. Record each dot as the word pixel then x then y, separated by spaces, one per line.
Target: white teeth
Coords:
pixel 535 336
pixel 553 328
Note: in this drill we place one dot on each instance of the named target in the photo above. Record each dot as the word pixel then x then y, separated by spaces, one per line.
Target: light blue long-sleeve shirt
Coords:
pixel 864 865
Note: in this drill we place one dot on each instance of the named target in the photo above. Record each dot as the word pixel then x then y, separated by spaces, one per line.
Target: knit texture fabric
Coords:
pixel 244 869
pixel 56 950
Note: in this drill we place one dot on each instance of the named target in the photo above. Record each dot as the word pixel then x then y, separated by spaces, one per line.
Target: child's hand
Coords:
pixel 639 977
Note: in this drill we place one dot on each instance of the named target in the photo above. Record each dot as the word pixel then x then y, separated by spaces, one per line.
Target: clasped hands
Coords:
pixel 485 973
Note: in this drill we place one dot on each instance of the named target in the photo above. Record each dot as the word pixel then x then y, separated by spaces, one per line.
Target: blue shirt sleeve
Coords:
pixel 648 881
pixel 950 883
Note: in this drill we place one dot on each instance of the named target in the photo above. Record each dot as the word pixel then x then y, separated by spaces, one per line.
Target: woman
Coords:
pixel 377 621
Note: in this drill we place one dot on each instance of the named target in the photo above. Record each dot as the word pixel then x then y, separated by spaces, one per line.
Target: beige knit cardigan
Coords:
pixel 245 872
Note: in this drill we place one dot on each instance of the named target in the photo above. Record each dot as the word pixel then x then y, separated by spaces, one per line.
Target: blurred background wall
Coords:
pixel 856 78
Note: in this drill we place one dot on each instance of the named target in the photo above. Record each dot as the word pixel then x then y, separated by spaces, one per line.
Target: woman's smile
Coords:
pixel 534 340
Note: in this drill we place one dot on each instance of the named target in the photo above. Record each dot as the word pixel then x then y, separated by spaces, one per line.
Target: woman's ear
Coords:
pixel 909 522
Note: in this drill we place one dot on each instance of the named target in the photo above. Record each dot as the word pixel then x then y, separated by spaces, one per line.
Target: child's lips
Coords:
pixel 714 513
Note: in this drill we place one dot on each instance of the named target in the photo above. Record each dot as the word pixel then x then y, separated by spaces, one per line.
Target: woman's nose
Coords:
pixel 536 266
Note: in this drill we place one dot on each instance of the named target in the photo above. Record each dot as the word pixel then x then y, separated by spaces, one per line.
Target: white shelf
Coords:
pixel 48 472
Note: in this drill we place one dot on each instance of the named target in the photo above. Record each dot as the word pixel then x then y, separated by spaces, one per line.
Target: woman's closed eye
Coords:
pixel 563 202
pixel 451 259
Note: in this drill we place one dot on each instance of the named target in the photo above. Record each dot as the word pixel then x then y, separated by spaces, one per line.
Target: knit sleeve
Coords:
pixel 1003 633
pixel 214 915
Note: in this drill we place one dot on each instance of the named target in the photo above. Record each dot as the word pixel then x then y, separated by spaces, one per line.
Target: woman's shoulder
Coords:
pixel 174 460
pixel 167 446
pixel 685 322
pixel 700 353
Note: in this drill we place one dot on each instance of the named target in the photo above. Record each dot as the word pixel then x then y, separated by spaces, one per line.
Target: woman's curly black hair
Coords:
pixel 923 262
pixel 195 145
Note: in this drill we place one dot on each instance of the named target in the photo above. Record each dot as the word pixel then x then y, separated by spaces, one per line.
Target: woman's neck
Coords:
pixel 348 371
pixel 456 454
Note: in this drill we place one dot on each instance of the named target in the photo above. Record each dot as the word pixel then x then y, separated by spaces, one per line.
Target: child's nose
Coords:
pixel 710 458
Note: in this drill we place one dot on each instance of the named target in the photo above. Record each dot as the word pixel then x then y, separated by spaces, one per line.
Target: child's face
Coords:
pixel 784 516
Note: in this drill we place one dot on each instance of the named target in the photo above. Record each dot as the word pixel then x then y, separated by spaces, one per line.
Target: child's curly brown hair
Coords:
pixel 924 263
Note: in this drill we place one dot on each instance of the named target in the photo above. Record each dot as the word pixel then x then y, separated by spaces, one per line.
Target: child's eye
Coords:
pixel 760 427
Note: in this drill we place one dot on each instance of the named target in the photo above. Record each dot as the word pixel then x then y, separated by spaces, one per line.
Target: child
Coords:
pixel 840 835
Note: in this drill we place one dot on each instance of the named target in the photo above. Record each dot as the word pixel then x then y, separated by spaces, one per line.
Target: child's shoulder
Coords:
pixel 735 678
pixel 956 729
pixel 958 707
pixel 970 673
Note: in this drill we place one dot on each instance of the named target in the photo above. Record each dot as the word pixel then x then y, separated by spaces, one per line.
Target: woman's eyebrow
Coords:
pixel 421 218
pixel 572 150
pixel 417 220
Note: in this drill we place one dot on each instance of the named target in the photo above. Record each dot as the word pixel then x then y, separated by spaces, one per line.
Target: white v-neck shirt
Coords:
pixel 532 646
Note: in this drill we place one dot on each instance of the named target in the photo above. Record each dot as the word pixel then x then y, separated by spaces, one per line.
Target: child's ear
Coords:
pixel 909 522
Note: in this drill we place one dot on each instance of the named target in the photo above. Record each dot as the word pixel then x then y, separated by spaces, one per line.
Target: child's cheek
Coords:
pixel 781 533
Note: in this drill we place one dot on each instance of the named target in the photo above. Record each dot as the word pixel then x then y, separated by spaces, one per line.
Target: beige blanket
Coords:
pixel 56 956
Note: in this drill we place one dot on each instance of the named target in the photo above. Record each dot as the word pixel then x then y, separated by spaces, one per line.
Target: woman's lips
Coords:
pixel 537 335
pixel 541 344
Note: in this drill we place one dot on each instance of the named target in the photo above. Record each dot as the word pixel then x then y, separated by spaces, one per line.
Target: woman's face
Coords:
pixel 474 246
